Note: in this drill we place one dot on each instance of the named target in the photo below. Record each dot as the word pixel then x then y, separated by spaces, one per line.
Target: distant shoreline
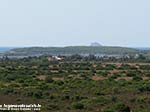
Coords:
pixel 142 48
pixel 4 49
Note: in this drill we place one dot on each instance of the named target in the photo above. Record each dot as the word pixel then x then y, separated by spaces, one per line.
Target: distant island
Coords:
pixel 94 44
pixel 70 50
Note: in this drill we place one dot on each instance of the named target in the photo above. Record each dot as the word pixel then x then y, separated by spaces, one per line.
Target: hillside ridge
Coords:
pixel 69 50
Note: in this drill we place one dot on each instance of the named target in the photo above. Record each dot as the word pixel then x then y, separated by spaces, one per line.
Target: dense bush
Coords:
pixel 48 79
pixel 78 105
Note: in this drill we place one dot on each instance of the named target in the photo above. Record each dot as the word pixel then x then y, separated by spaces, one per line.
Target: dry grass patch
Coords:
pixel 97 78
pixel 42 77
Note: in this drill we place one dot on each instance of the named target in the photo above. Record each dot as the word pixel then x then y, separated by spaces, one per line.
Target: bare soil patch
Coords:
pixel 97 78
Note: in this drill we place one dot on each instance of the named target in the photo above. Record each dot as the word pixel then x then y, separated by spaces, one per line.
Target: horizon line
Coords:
pixel 73 46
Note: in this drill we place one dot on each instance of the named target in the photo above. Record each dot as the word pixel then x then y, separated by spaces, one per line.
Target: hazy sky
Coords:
pixel 74 22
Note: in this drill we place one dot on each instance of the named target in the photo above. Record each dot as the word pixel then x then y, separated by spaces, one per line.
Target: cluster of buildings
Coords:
pixel 54 58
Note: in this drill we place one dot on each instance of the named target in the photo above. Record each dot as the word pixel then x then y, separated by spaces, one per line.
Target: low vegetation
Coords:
pixel 76 84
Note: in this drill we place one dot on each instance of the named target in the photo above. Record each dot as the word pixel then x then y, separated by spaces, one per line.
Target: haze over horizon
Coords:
pixel 74 22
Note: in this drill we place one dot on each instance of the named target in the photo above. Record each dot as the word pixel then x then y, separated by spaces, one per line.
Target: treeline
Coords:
pixel 77 57
pixel 124 58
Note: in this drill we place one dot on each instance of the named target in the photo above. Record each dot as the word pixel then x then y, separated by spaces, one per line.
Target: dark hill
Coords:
pixel 71 50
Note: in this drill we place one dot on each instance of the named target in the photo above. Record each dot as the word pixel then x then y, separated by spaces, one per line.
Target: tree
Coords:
pixel 141 57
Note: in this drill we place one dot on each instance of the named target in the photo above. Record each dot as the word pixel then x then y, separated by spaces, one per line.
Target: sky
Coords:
pixel 74 22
